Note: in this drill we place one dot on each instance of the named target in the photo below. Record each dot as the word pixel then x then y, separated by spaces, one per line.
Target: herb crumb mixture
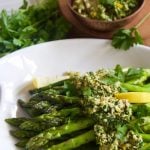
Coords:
pixel 107 10
pixel 109 113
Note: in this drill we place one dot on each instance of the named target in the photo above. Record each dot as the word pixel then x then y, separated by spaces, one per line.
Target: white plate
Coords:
pixel 54 58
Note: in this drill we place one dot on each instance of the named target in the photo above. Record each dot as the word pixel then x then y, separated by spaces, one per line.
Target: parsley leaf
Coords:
pixel 119 73
pixel 126 38
pixel 87 92
pixel 142 110
pixel 134 73
pixel 121 132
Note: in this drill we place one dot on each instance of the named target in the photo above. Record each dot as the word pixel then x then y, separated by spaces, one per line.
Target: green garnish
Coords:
pixel 107 10
pixel 126 38
pixel 31 25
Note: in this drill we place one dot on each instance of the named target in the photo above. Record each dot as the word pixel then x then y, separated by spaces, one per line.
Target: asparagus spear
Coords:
pixel 146 146
pixel 62 139
pixel 20 134
pixel 135 88
pixel 16 121
pixel 40 96
pixel 28 104
pixel 57 99
pixel 41 105
pixel 75 142
pixel 62 113
pixel 146 128
pixel 144 120
pixel 32 125
pixel 145 137
pixel 36 108
pixel 29 110
pixel 45 107
pixel 51 109
pixel 55 133
pixel 45 121
pixel 59 83
pixel 22 143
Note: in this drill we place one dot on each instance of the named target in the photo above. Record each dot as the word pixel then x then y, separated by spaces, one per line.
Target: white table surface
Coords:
pixel 13 4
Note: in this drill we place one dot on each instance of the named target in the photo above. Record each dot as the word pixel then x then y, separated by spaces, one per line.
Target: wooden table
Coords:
pixel 83 32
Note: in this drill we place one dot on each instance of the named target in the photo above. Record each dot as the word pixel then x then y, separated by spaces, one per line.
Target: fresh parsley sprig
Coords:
pixel 31 25
pixel 126 38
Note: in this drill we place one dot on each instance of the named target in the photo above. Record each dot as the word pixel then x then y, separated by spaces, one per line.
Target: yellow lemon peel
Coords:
pixel 135 97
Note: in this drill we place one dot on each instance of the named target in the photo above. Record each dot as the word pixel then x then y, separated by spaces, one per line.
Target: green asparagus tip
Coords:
pixel 22 143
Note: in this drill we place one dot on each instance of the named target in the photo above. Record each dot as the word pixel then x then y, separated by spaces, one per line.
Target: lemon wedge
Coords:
pixel 134 97
pixel 39 82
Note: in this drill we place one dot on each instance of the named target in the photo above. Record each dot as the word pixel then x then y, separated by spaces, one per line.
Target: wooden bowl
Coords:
pixel 106 25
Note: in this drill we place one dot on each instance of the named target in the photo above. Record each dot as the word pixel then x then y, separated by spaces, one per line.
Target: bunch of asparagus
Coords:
pixel 55 121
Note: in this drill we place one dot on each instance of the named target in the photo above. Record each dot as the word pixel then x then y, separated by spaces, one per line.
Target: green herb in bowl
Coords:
pixel 107 10
pixel 105 15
